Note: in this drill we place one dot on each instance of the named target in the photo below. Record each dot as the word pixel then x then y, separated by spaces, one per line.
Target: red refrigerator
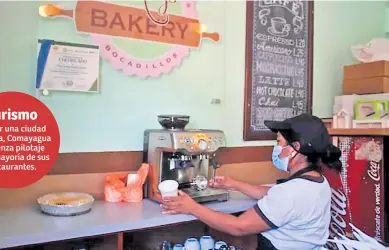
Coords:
pixel 358 191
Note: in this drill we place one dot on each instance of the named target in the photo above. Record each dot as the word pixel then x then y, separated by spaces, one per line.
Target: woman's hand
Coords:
pixel 181 204
pixel 223 182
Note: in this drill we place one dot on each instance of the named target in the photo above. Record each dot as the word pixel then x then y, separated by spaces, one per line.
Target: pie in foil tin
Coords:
pixel 66 204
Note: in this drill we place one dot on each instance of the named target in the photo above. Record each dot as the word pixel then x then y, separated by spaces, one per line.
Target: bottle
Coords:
pixel 165 245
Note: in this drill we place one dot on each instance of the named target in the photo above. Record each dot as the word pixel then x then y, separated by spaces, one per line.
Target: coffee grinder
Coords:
pixel 184 155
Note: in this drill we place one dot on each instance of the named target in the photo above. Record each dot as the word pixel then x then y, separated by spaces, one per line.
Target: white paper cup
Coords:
pixel 168 188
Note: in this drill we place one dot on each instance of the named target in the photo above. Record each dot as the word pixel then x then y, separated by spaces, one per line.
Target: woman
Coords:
pixel 295 213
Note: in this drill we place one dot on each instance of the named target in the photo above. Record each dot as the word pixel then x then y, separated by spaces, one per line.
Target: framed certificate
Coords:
pixel 67 66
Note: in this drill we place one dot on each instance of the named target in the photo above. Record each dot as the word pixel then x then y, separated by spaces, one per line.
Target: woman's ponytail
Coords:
pixel 331 158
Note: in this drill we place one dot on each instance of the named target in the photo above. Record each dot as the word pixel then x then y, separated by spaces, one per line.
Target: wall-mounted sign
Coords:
pixel 111 25
pixel 279 64
pixel 67 66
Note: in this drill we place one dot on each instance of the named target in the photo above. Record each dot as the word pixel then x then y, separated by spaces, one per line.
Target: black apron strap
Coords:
pixel 297 174
pixel 264 243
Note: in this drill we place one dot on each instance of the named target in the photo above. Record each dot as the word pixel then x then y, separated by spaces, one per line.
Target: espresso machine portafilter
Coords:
pixel 187 156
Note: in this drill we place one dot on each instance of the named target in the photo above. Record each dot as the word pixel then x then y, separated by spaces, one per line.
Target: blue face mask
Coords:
pixel 280 163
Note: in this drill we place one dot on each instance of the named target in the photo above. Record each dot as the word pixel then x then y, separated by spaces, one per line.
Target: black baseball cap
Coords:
pixel 306 129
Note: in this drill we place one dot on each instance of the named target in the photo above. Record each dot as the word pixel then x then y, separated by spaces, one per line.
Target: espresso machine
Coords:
pixel 184 155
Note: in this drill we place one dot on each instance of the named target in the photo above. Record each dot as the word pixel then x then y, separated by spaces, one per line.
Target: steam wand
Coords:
pixel 214 167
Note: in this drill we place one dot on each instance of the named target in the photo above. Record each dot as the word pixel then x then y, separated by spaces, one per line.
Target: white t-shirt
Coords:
pixel 298 211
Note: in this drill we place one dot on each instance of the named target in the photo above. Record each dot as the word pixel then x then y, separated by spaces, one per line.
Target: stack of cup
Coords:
pixel 206 242
pixel 219 245
pixel 192 244
pixel 178 247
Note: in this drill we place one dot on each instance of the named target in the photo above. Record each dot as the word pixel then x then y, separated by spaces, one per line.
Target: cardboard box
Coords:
pixel 371 109
pixel 346 102
pixel 366 78
pixel 372 85
pixel 366 70
pixel 327 122
pixel 367 124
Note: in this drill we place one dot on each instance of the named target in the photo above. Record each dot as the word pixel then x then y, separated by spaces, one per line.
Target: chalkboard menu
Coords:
pixel 279 36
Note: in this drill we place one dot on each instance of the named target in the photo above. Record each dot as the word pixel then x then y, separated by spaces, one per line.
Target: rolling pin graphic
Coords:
pixel 103 18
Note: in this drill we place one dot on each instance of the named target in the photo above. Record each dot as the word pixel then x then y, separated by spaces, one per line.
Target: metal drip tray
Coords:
pixel 206 195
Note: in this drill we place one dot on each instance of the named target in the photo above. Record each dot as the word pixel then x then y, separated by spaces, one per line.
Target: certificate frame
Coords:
pixel 65 66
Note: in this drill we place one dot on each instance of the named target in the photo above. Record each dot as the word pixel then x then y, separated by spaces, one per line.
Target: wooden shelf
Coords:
pixel 359 131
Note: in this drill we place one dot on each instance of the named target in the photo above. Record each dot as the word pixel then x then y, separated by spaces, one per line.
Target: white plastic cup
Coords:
pixel 168 188
pixel 178 247
pixel 192 244
pixel 218 244
pixel 207 242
